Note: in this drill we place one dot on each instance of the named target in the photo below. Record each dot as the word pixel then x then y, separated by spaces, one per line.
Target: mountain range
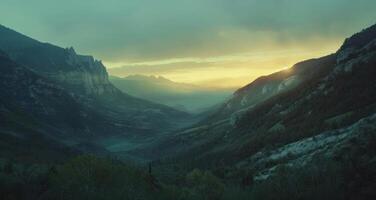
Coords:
pixel 182 96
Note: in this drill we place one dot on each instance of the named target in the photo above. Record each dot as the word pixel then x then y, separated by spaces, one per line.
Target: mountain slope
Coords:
pixel 266 87
pixel 178 95
pixel 33 112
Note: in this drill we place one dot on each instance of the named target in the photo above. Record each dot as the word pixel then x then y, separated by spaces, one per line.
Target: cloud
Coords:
pixel 192 40
pixel 139 30
pixel 236 68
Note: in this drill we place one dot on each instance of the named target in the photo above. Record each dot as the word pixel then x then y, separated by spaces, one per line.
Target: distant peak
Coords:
pixel 163 78
pixel 145 77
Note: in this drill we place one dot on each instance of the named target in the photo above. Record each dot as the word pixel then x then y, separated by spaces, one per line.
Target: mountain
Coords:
pixel 265 87
pixel 181 96
pixel 83 74
pixel 68 97
pixel 324 100
pixel 32 101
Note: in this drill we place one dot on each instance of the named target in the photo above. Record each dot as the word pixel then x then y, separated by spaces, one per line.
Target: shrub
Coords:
pixel 204 185
pixel 89 177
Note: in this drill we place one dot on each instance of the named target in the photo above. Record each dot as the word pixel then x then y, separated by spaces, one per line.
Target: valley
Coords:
pixel 70 131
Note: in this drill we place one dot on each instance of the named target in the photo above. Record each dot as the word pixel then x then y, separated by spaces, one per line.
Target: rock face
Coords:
pixel 89 74
pixel 81 73
pixel 30 101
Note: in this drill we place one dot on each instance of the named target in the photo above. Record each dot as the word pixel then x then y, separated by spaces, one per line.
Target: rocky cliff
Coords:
pixel 81 73
pixel 90 74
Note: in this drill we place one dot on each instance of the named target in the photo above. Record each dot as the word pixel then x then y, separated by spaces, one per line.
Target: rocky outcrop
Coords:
pixel 89 75
pixel 79 73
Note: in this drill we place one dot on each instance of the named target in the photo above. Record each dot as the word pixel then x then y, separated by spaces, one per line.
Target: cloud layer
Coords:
pixel 135 31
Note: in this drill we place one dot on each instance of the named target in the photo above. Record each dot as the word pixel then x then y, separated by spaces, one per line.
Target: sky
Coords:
pixel 217 43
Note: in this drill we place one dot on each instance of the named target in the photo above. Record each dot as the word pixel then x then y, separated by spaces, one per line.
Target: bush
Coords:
pixel 204 185
pixel 89 177
pixel 21 181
